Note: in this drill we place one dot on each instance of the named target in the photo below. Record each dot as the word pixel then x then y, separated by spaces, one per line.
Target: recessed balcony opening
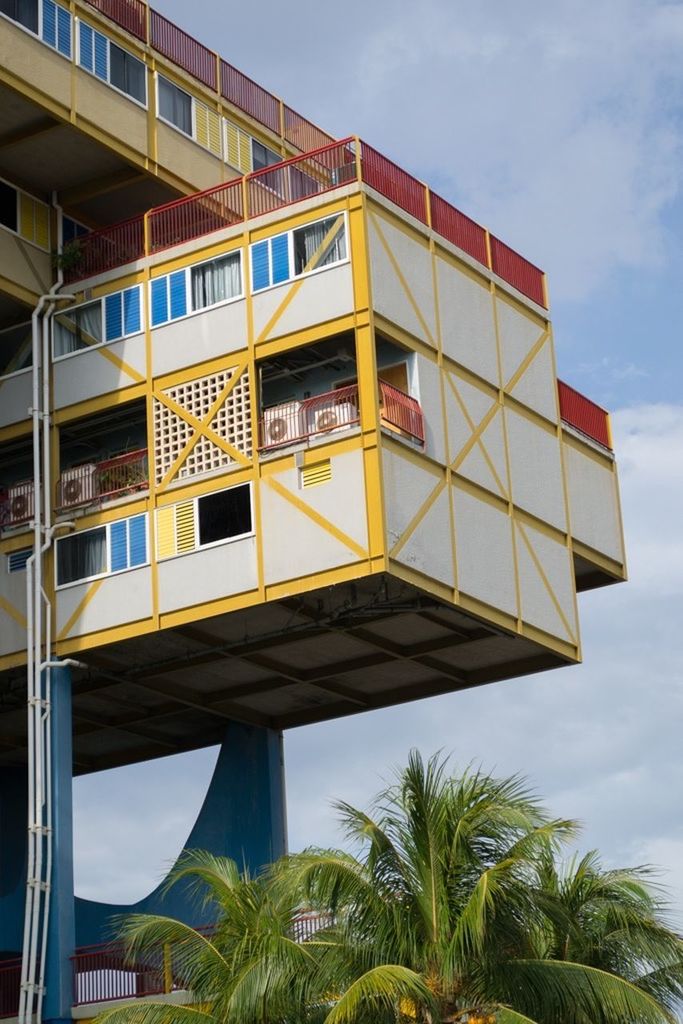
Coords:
pixel 16 483
pixel 309 393
pixel 397 382
pixel 16 348
pixel 103 457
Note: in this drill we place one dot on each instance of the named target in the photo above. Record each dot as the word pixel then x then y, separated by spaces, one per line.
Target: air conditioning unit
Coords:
pixel 281 424
pixel 331 417
pixel 78 486
pixel 20 503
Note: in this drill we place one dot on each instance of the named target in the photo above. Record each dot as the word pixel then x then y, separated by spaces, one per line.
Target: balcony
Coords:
pixel 336 411
pixel 16 504
pixel 102 481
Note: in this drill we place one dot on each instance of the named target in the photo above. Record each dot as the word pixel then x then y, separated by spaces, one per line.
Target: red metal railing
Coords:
pixel 183 49
pixel 91 482
pixel 105 249
pixel 105 972
pixel 394 183
pixel 16 504
pixel 10 980
pixel 250 97
pixel 321 414
pixel 401 411
pixel 271 188
pixel 582 414
pixel 129 14
pixel 517 271
pixel 196 215
pixel 453 225
pixel 299 177
pixel 302 133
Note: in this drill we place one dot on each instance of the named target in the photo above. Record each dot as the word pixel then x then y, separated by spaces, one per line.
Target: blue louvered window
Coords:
pixel 112 64
pixel 300 251
pixel 270 263
pixel 56 27
pixel 169 297
pixel 99 552
pixel 122 314
pixel 16 560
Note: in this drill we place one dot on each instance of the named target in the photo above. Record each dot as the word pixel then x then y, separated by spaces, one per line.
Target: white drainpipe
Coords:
pixel 38 702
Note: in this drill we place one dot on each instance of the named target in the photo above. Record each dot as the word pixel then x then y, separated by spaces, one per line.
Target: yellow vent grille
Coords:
pixel 184 526
pixel 319 473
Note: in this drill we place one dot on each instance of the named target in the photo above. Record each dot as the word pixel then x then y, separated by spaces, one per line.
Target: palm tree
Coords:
pixel 449 909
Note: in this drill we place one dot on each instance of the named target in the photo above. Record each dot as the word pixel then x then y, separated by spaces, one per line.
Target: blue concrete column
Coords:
pixel 61 928
pixel 243 817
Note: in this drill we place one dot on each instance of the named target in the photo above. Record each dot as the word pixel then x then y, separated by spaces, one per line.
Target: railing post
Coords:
pixel 359 162
pixel 489 257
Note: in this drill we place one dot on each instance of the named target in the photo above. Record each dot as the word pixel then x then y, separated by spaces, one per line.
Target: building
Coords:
pixel 281 439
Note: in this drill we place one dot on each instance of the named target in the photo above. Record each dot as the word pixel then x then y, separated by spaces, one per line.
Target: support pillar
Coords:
pixel 61 925
pixel 243 817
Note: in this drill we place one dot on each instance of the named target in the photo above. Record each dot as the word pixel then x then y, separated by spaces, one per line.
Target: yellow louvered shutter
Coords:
pixel 184 526
pixel 42 226
pixel 201 120
pixel 166 532
pixel 213 132
pixel 245 152
pixel 26 211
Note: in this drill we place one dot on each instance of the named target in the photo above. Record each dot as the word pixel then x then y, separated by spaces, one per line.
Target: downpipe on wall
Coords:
pixel 38 629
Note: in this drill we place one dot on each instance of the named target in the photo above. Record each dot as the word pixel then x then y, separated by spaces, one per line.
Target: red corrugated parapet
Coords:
pixel 448 221
pixel 394 183
pixel 302 133
pixel 584 415
pixel 517 271
pixel 183 50
pixel 129 14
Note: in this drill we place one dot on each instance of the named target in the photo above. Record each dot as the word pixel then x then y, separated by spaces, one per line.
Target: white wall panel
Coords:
pixel 99 371
pixel 593 507
pixel 484 554
pixel 201 337
pixel 536 470
pixel 15 398
pixel 316 298
pixel 389 295
pixel 468 333
pixel 207 575
pixel 116 600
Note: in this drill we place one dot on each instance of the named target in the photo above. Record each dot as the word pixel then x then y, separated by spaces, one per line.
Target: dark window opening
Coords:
pixel 175 106
pixel 262 156
pixel 127 73
pixel 82 556
pixel 23 11
pixel 8 206
pixel 223 515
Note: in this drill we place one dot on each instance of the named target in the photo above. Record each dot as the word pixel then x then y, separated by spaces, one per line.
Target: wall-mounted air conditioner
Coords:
pixel 20 503
pixel 331 417
pixel 281 424
pixel 78 486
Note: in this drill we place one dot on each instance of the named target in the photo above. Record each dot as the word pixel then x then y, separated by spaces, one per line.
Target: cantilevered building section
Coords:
pixel 302 449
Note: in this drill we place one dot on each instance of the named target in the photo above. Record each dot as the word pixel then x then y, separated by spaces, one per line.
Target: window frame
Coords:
pixel 12 554
pixel 19 192
pixel 105 341
pixel 164 120
pixel 38 34
pixel 107 547
pixel 143 104
pixel 224 540
pixel 187 271
pixel 290 254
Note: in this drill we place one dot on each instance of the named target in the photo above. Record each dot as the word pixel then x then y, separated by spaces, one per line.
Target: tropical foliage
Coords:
pixel 450 905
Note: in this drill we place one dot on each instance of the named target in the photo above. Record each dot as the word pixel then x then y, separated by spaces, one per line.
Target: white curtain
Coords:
pixel 79 328
pixel 82 556
pixel 216 281
pixel 308 242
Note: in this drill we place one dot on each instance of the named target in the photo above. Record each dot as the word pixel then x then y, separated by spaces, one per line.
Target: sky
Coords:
pixel 560 127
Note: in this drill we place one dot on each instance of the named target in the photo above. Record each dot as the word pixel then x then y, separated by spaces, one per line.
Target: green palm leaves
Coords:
pixel 449 908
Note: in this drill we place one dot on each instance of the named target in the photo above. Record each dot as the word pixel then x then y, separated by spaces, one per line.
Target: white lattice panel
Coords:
pixel 231 422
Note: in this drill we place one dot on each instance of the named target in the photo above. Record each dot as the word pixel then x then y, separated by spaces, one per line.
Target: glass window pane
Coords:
pixel 127 73
pixel 16 348
pixel 319 245
pixel 223 515
pixel 262 156
pixel 175 106
pixel 82 556
pixel 79 328
pixel 23 11
pixel 216 281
